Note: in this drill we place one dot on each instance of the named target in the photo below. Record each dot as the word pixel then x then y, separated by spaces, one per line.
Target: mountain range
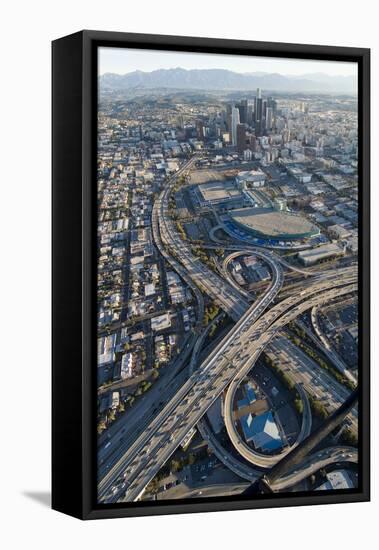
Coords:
pixel 221 79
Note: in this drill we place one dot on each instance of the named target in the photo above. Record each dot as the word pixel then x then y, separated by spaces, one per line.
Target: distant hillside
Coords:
pixel 216 79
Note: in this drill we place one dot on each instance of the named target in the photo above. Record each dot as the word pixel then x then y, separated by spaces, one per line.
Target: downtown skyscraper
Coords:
pixel 235 122
pixel 258 113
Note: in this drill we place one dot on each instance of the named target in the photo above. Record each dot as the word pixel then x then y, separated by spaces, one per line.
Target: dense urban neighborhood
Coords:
pixel 227 281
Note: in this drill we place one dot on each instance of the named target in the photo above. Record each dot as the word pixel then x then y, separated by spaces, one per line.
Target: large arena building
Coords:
pixel 273 224
pixel 221 194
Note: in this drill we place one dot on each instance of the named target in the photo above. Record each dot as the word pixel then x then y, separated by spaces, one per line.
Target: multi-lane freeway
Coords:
pixel 228 343
pixel 298 307
pixel 314 462
pixel 120 436
pixel 152 449
pixel 318 382
pixel 164 231
pixel 139 460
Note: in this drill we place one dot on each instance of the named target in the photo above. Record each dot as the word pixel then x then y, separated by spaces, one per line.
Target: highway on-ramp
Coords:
pixel 168 429
pixel 128 477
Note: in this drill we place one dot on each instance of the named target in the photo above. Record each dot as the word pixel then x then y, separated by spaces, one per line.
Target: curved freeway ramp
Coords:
pixel 252 456
pixel 153 448
pixel 314 463
pixel 251 249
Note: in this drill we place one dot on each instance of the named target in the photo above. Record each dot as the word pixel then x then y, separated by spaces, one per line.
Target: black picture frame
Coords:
pixel 74 110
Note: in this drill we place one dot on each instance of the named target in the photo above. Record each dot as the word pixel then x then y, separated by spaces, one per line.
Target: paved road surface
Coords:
pixel 168 430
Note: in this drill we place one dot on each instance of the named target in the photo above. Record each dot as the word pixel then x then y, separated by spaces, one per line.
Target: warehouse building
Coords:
pixel 338 479
pixel 262 431
pixel 161 322
pixel 106 349
pixel 250 178
pixel 324 252
pixel 220 194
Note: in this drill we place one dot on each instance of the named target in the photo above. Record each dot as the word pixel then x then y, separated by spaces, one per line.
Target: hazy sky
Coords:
pixel 124 60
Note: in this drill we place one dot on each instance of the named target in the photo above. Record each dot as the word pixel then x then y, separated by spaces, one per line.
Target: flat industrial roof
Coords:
pixel 273 223
pixel 218 190
pixel 320 251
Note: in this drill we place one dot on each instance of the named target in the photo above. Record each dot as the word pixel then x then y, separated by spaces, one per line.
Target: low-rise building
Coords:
pixel 250 178
pixel 126 366
pixel 221 194
pixel 106 349
pixel 161 322
pixel 262 431
pixel 115 399
pixel 339 479
pixel 339 232
pixel 323 252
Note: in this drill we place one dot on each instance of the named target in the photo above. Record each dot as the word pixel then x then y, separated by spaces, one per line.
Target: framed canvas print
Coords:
pixel 210 274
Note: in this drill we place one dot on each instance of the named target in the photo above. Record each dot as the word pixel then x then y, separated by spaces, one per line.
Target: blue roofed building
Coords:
pixel 262 431
pixel 246 424
pixel 242 403
pixel 249 398
pixel 250 394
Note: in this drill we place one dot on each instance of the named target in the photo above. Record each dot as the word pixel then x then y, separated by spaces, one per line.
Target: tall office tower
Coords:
pixel 264 107
pixel 269 118
pixel 224 121
pixel 229 123
pixel 250 113
pixel 200 129
pixel 242 107
pixel 271 102
pixel 228 117
pixel 241 137
pixel 235 122
pixel 258 113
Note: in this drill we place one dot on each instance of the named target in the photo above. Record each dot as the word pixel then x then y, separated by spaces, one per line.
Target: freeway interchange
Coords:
pixel 139 458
